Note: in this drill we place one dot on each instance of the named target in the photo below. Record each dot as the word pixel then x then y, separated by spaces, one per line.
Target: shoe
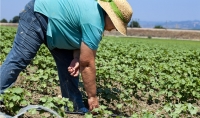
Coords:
pixel 84 110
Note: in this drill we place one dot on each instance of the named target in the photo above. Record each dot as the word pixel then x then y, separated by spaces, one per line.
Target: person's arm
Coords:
pixel 73 69
pixel 88 73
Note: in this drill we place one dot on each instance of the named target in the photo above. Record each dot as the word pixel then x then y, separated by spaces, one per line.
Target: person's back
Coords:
pixel 72 21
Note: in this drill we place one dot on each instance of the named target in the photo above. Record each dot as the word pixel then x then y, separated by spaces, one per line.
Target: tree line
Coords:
pixel 15 19
pixel 135 24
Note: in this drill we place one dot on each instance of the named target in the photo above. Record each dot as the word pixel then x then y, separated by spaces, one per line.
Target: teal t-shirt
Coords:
pixel 71 22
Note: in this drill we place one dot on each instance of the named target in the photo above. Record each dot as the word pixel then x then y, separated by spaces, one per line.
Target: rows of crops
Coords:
pixel 146 78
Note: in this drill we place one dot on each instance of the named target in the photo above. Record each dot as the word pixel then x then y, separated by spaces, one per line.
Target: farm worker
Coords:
pixel 72 30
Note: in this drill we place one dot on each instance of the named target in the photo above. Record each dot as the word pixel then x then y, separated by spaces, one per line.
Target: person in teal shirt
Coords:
pixel 72 31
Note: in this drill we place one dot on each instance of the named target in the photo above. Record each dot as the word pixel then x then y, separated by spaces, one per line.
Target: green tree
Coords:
pixel 159 27
pixel 134 24
pixel 15 19
pixel 4 20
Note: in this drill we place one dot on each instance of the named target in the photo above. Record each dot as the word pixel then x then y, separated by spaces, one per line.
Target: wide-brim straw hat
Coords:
pixel 126 11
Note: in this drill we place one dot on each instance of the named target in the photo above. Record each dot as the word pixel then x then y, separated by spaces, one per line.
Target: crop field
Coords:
pixel 136 78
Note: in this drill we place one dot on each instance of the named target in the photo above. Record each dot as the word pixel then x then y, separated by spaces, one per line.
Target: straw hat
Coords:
pixel 119 11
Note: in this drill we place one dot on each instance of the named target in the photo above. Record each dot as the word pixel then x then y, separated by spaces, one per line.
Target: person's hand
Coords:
pixel 93 103
pixel 73 69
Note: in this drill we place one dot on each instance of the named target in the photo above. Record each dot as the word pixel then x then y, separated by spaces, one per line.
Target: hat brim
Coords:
pixel 118 23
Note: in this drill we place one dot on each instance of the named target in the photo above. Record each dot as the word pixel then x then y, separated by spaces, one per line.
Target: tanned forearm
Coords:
pixel 88 72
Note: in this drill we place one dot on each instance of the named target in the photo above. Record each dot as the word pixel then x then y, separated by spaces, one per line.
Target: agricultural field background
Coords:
pixel 136 77
pixel 177 34
pixel 149 33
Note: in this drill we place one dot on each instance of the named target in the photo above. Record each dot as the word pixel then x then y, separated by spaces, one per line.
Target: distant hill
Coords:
pixel 191 25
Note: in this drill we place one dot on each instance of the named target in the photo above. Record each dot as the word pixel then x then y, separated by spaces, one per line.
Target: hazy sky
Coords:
pixel 144 10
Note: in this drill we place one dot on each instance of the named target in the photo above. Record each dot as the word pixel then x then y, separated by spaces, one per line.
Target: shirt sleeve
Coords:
pixel 91 35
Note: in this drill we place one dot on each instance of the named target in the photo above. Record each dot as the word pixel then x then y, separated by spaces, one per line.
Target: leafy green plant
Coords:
pixel 149 37
pixel 14 99
pixel 100 112
pixel 57 104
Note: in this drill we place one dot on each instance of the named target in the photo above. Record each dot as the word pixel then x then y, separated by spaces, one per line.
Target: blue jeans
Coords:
pixel 30 35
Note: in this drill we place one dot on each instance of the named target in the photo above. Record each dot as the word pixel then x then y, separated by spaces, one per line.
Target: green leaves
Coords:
pixel 14 99
pixel 168 69
pixel 101 112
pixel 17 90
pixel 57 104
pixel 192 109
pixel 175 110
